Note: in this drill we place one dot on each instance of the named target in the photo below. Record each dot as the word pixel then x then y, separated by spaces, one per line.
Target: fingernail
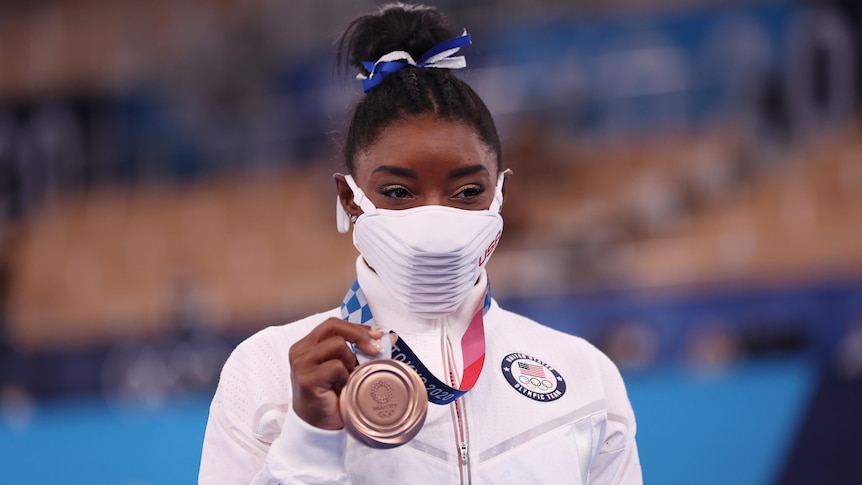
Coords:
pixel 377 345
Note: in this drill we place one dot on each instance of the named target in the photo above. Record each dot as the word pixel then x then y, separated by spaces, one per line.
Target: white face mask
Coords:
pixel 430 256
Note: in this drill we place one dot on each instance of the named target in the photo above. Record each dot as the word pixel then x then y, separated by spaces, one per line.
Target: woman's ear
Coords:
pixel 346 211
pixel 345 194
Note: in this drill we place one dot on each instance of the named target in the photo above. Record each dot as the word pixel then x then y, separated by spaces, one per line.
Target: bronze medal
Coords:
pixel 384 403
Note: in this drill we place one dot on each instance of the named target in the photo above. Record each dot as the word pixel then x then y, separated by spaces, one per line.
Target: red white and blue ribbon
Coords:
pixel 439 56
pixel 355 309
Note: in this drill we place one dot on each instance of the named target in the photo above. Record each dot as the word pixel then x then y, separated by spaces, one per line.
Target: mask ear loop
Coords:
pixel 359 197
pixel 497 203
pixel 342 218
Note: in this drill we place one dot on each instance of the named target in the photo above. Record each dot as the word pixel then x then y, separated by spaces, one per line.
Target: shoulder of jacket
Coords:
pixel 255 379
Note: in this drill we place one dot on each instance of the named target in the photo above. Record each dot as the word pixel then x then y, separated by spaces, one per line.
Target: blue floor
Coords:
pixel 733 427
pixel 87 442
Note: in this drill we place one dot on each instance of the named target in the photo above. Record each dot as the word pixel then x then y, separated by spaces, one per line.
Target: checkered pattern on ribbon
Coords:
pixel 355 307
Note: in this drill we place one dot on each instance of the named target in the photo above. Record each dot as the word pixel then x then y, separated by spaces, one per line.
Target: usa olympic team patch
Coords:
pixel 533 378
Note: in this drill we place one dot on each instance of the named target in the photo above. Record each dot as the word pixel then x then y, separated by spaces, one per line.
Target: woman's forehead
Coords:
pixel 426 145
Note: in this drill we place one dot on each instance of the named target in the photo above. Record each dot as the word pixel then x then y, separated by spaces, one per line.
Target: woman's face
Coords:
pixel 424 161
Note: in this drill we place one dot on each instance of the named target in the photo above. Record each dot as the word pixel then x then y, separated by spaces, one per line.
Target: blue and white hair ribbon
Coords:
pixel 440 56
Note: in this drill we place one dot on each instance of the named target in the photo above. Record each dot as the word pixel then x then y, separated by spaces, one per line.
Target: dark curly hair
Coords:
pixel 410 91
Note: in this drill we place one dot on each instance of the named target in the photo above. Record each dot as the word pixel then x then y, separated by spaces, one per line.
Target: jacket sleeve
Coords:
pixel 252 434
pixel 617 461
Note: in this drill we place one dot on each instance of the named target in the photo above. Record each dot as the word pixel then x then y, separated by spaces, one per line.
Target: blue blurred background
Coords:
pixel 687 196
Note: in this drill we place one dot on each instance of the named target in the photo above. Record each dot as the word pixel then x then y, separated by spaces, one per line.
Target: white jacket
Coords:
pixel 500 432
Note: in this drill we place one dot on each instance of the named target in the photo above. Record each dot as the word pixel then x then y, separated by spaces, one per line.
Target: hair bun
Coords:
pixel 394 27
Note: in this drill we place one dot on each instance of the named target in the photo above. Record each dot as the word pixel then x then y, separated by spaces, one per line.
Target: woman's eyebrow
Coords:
pixel 393 170
pixel 468 170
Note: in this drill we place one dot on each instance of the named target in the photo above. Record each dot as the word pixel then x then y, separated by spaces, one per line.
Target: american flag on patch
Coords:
pixel 532 370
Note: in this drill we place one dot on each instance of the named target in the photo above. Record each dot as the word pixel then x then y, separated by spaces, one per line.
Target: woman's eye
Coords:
pixel 395 192
pixel 470 192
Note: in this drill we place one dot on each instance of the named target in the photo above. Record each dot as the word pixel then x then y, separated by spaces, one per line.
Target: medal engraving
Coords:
pixel 384 403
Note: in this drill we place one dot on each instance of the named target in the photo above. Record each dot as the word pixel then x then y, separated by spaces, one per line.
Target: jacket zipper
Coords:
pixel 461 434
pixel 458 417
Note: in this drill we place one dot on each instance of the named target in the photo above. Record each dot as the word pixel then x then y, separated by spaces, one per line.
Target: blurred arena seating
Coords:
pixel 257 250
pixel 645 214
pixel 120 263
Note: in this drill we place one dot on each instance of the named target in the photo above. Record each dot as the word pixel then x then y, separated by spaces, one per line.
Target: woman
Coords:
pixel 423 193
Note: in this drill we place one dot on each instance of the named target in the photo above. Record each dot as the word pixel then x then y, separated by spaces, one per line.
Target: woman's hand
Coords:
pixel 320 364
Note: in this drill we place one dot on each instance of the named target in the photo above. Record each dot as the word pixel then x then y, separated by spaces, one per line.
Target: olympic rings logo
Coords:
pixel 541 385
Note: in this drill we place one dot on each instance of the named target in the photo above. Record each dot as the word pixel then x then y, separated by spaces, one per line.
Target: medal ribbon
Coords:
pixel 355 309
